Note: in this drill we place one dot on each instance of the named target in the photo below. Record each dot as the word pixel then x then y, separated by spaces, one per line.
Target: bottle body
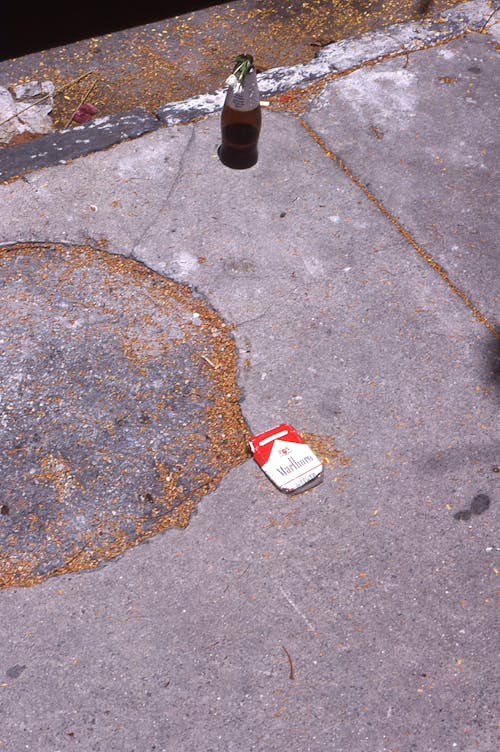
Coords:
pixel 240 124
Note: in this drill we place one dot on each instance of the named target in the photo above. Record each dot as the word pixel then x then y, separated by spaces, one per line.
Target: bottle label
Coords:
pixel 248 98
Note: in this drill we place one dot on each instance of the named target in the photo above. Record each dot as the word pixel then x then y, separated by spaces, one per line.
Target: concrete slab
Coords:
pixel 417 132
pixel 356 617
pixel 119 407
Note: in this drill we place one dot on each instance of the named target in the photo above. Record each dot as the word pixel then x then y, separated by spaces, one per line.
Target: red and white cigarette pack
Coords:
pixel 286 459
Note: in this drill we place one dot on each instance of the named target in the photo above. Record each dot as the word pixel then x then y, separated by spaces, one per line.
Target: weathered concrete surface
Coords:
pixel 119 120
pixel 356 617
pixel 176 58
pixel 60 147
pixel 419 134
pixel 115 418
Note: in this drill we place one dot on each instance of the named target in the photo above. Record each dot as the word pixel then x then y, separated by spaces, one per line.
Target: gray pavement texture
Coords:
pixel 357 262
pixel 114 420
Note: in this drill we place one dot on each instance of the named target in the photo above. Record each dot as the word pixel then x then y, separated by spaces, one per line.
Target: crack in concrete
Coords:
pixel 401 229
pixel 170 192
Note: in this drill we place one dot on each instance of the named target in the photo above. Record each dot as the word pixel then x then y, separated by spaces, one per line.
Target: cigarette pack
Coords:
pixel 286 459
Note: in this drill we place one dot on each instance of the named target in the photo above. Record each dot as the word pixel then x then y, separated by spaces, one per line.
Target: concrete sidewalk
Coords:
pixel 178 57
pixel 357 264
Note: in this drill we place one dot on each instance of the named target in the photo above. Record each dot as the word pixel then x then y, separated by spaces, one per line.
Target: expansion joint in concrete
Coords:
pixel 401 229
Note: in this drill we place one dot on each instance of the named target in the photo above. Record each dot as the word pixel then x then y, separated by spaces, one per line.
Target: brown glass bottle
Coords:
pixel 240 124
pixel 240 134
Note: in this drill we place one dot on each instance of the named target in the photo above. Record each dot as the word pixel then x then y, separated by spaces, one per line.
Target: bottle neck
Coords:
pixel 246 99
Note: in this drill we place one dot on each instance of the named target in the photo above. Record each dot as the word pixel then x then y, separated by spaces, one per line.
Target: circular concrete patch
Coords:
pixel 118 407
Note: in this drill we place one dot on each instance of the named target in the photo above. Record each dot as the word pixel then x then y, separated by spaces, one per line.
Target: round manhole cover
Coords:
pixel 118 407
